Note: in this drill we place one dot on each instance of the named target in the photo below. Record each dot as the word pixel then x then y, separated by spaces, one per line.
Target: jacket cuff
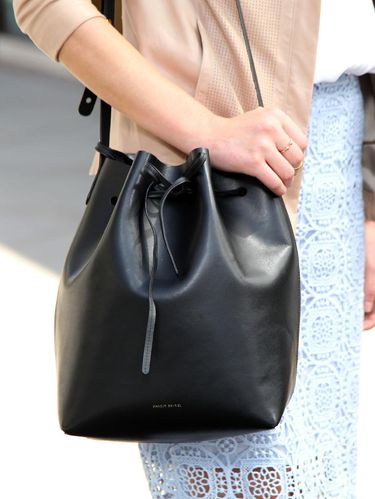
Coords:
pixel 49 24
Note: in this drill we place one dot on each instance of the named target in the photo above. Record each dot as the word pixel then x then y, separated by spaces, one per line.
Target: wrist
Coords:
pixel 201 133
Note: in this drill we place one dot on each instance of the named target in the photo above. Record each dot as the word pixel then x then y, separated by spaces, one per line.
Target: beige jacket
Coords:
pixel 198 44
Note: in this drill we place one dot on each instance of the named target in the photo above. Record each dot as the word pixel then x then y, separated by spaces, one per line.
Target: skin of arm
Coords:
pixel 249 143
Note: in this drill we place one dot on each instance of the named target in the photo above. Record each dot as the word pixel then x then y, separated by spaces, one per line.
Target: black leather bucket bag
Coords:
pixel 177 316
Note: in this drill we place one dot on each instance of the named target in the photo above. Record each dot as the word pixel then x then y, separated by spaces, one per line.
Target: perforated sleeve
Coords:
pixel 49 23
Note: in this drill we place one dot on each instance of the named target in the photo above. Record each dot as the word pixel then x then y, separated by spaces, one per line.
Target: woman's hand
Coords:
pixel 369 320
pixel 258 143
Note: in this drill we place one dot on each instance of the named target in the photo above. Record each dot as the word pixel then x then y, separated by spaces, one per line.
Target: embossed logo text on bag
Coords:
pixel 167 406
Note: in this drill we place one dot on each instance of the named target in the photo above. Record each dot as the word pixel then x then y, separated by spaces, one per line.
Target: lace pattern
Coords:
pixel 311 454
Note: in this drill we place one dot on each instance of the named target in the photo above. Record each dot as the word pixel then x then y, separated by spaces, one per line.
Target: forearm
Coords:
pixel 104 61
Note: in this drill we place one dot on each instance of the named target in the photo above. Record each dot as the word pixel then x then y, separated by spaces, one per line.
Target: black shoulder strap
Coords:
pixel 88 98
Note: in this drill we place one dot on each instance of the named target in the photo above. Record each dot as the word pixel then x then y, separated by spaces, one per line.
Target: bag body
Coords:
pixel 177 316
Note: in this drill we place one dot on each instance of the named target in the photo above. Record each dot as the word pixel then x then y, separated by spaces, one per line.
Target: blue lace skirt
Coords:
pixel 312 453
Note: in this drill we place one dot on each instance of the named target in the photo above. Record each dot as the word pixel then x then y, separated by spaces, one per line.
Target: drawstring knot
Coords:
pixel 162 188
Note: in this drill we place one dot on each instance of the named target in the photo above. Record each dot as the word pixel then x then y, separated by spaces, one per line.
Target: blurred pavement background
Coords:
pixel 46 149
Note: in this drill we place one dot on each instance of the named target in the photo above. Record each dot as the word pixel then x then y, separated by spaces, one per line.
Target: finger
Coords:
pixel 369 291
pixel 369 303
pixel 369 295
pixel 293 154
pixel 369 300
pixel 289 148
pixel 369 306
pixel 369 321
pixel 280 166
pixel 270 179
pixel 292 130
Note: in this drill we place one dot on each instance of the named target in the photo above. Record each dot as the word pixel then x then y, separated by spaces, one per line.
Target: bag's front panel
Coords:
pixel 221 363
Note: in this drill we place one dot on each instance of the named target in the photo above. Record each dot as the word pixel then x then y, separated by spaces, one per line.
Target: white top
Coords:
pixel 346 42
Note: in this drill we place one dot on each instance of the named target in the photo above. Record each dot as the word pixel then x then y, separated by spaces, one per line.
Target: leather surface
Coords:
pixel 225 344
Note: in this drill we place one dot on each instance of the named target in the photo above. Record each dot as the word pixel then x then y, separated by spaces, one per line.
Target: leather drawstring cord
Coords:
pixel 161 188
pixel 156 190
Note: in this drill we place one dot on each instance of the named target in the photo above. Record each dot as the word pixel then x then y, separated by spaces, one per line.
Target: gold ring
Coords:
pixel 286 148
pixel 296 168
